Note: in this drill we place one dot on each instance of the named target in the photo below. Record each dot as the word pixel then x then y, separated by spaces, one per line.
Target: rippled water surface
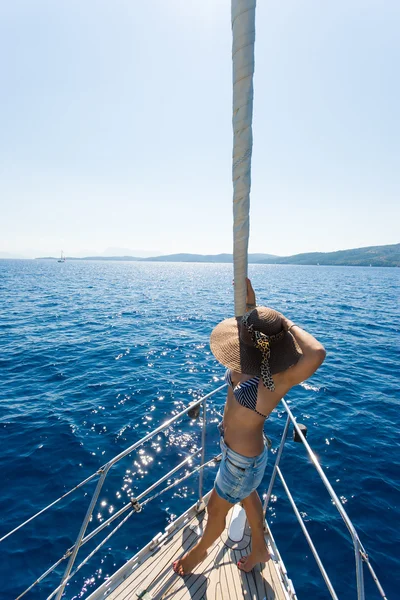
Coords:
pixel 94 355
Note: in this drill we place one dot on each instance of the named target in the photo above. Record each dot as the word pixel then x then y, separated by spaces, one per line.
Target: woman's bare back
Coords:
pixel 243 427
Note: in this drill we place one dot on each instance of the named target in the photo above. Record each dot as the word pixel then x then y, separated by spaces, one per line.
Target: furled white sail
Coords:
pixel 243 34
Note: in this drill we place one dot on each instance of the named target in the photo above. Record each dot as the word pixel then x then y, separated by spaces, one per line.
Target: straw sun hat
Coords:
pixel 255 344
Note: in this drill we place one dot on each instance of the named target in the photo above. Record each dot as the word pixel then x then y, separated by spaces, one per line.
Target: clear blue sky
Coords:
pixel 115 126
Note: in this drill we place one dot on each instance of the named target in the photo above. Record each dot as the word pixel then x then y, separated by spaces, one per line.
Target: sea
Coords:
pixel 94 355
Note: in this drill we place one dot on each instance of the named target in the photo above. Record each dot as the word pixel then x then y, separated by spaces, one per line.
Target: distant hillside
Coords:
pixel 131 258
pixel 68 258
pixel 375 256
pixel 203 258
pixel 207 258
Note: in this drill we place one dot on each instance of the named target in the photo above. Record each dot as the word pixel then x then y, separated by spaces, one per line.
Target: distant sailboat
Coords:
pixel 62 257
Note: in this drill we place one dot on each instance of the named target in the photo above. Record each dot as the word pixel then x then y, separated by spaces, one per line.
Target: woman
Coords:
pixel 266 355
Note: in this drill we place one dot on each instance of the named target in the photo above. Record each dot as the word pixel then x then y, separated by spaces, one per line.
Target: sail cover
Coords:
pixel 243 36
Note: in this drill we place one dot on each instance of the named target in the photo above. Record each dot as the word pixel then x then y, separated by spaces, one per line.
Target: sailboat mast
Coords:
pixel 243 37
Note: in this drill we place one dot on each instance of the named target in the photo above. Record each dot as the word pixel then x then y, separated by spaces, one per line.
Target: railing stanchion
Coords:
pixel 359 570
pixel 203 449
pixel 278 459
pixel 82 530
pixel 307 536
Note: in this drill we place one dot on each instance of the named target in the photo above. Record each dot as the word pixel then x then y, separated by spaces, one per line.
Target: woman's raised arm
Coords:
pixel 313 353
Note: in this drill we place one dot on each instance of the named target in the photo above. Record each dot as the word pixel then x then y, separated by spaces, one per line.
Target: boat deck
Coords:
pixel 149 575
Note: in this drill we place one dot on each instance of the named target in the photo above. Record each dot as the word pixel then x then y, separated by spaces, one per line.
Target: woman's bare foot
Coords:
pixel 247 563
pixel 185 565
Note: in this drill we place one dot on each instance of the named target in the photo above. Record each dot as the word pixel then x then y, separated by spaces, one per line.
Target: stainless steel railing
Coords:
pixel 361 556
pixel 136 504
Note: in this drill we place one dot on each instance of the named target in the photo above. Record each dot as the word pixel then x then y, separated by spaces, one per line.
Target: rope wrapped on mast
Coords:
pixel 243 37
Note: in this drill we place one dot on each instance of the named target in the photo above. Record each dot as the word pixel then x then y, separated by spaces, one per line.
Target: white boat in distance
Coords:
pixel 62 257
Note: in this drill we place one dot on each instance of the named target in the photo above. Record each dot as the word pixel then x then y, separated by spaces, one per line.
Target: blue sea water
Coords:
pixel 94 355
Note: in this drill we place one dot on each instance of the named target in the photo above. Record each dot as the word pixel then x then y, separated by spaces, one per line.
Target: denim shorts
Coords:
pixel 238 476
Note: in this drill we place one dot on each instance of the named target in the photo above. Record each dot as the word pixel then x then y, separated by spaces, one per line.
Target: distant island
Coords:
pixel 372 256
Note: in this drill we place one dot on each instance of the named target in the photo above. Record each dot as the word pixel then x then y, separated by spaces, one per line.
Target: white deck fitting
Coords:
pixel 237 523
pixel 216 578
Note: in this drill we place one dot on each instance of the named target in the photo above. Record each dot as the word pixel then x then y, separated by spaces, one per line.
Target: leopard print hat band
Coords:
pixel 262 342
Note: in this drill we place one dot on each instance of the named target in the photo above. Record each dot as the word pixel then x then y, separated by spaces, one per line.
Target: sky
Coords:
pixel 115 126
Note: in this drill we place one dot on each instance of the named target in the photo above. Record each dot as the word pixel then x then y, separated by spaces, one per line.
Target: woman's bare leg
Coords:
pixel 217 509
pixel 255 516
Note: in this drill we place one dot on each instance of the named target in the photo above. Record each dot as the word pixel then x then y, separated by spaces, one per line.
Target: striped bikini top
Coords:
pixel 245 392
